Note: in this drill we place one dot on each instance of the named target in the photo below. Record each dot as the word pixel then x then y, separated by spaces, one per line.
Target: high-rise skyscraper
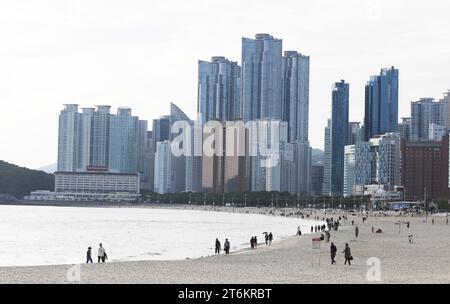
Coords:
pixel 339 125
pixel 381 103
pixel 327 168
pixel 404 128
pixel 295 107
pixel 423 113
pixel 164 175
pixel 69 139
pixel 101 123
pixel 123 149
pixel 219 89
pixel 85 138
pixel 261 78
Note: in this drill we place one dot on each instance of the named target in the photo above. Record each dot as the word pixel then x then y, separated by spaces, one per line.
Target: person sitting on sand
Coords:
pixel 379 231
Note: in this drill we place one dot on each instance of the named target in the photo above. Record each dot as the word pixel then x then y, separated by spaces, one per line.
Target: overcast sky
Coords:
pixel 143 54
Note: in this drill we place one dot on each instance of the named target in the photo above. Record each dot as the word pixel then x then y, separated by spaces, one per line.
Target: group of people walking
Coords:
pixel 218 247
pixel 268 238
pixel 101 255
pixel 347 254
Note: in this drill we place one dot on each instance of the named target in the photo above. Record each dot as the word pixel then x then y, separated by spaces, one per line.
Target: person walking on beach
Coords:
pixel 356 231
pixel 432 221
pixel 101 254
pixel 255 242
pixel 270 238
pixel 312 229
pixel 333 251
pixel 89 255
pixel 347 255
pixel 266 238
pixel 226 246
pixel 217 251
pixel 373 229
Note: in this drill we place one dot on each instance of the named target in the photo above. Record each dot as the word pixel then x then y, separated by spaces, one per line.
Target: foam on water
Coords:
pixel 41 235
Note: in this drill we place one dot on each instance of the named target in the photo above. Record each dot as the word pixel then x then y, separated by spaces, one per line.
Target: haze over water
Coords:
pixel 42 235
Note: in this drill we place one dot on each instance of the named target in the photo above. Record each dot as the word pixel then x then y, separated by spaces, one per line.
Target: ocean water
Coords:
pixel 41 235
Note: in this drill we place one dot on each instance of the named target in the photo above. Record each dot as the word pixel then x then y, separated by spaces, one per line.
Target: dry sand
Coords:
pixel 426 260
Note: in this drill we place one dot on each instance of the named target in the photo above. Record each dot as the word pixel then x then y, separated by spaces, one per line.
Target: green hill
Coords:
pixel 18 181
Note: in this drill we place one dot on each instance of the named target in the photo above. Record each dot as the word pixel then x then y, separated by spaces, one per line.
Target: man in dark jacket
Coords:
pixel 347 255
pixel 89 255
pixel 333 251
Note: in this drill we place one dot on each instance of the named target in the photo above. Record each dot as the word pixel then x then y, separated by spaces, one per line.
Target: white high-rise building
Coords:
pixel 69 139
pixel 436 132
pixel 349 170
pixel 164 178
pixel 85 138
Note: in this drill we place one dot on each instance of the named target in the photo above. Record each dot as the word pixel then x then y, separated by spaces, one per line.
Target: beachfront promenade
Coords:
pixel 426 260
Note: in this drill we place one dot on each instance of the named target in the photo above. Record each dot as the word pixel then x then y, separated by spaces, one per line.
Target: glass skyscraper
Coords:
pixel 219 83
pixel 381 103
pixel 295 107
pixel 261 78
pixel 339 125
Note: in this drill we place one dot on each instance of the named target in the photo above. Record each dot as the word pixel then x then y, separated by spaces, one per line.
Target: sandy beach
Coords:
pixel 426 260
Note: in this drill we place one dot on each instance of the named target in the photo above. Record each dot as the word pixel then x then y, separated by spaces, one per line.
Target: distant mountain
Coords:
pixel 19 182
pixel 49 169
pixel 317 156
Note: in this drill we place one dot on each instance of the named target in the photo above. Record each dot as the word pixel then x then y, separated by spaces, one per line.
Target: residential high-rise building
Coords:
pixel 101 123
pixel 123 142
pixel 303 167
pixel 375 162
pixel 446 101
pixel 316 179
pixel 349 170
pixel 425 169
pixel 436 132
pixel 381 103
pixel 265 168
pixel 327 168
pixel 85 138
pixel 355 133
pixel 219 89
pixel 295 107
pixel 261 78
pixel 423 113
pixel 164 176
pixel 404 128
pixel 161 129
pixel 69 139
pixel 339 125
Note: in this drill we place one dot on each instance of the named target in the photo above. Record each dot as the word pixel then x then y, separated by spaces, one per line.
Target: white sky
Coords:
pixel 144 54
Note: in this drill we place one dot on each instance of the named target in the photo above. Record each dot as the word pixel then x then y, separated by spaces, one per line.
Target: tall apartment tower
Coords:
pixel 123 150
pixel 381 103
pixel 339 125
pixel 69 139
pixel 295 107
pixel 86 118
pixel 328 148
pixel 219 89
pixel 423 113
pixel 164 176
pixel 261 78
pixel 101 123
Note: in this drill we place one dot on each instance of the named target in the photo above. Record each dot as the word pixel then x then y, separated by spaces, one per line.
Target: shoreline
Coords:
pixel 426 260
